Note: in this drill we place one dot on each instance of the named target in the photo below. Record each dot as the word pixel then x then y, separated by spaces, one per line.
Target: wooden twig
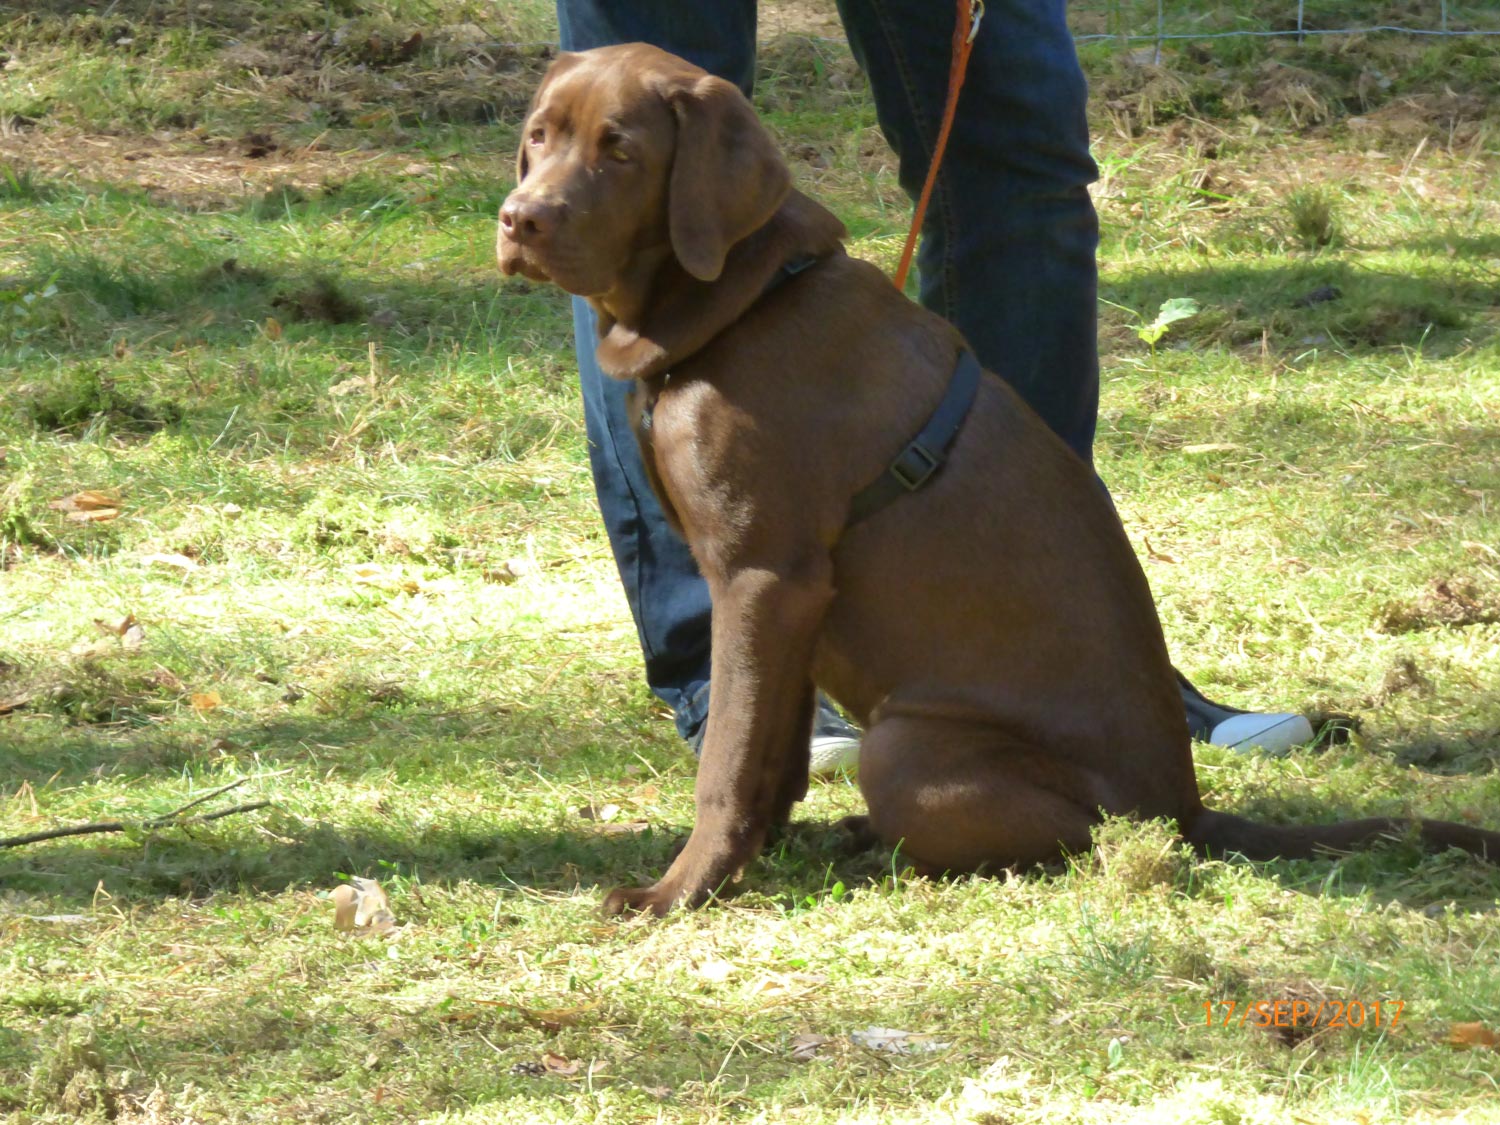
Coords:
pixel 172 818
pixel 206 797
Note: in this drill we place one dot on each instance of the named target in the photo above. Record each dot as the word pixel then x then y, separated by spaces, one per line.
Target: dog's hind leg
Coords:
pixel 957 796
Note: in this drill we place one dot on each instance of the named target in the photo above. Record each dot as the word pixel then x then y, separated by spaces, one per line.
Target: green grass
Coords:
pixel 356 529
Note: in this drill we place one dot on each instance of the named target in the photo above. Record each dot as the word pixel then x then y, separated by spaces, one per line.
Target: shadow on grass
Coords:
pixel 371 759
pixel 1325 301
pixel 225 301
pixel 1482 246
pixel 386 832
pixel 272 851
pixel 1290 303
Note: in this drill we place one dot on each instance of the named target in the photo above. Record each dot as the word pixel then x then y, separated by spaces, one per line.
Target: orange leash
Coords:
pixel 970 12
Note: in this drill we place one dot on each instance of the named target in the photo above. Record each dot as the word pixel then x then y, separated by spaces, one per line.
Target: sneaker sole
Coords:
pixel 1269 734
pixel 832 754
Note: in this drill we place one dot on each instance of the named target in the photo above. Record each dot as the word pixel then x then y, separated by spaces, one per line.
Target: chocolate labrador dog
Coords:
pixel 873 514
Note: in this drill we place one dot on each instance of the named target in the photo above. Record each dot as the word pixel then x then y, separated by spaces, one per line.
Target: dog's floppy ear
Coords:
pixel 564 61
pixel 727 177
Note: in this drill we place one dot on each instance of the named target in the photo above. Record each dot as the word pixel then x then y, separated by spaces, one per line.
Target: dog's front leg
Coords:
pixel 765 621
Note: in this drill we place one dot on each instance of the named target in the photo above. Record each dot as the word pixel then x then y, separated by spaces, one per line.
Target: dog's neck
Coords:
pixel 661 315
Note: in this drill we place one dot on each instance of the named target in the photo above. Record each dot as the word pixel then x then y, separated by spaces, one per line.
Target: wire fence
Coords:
pixel 1164 21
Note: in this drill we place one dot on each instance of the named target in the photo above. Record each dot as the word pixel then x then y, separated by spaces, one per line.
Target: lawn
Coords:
pixel 294 499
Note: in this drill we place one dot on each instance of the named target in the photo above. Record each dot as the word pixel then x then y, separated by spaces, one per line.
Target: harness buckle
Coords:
pixel 915 466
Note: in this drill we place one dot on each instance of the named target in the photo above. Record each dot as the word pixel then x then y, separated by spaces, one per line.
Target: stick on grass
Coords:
pixel 172 818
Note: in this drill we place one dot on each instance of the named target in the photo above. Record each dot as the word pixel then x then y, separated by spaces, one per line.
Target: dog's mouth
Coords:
pixel 514 260
pixel 550 266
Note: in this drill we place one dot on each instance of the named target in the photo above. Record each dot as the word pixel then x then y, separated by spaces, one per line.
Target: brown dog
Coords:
pixel 992 630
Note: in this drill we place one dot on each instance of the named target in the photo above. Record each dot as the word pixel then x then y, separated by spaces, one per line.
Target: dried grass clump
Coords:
pixel 1138 857
pixel 1312 216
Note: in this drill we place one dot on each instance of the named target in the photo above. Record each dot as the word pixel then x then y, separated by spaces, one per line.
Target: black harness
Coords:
pixel 925 454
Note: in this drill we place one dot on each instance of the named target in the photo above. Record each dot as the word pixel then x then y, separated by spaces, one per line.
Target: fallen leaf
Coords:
pixel 1155 555
pixel 166 680
pixel 715 970
pixel 130 632
pixel 548 1019
pixel 170 559
pixel 622 828
pixel 345 899
pixel 15 702
pixel 94 515
pixel 357 383
pixel 556 1064
pixel 1465 1036
pixel 88 500
pixel 896 1042
pixel 90 650
pixel 499 575
pixel 781 984
pixel 361 905
pixel 205 701
pixel 805 1047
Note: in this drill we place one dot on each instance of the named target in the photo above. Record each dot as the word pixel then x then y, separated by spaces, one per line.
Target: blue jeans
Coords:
pixel 1007 254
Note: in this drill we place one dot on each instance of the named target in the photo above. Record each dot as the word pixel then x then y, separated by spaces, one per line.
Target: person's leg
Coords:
pixel 718 35
pixel 667 596
pixel 1008 246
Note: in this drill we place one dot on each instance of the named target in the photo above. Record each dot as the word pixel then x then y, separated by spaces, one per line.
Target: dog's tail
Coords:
pixel 1217 834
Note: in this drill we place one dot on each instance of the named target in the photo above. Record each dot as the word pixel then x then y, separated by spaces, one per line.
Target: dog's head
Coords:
pixel 628 153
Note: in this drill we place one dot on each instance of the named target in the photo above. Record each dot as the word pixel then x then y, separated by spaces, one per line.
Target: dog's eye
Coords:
pixel 611 144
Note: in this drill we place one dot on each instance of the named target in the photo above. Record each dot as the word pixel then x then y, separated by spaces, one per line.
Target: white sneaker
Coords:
pixel 1268 734
pixel 833 754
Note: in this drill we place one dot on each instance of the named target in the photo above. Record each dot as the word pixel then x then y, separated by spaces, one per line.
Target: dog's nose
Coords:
pixel 527 219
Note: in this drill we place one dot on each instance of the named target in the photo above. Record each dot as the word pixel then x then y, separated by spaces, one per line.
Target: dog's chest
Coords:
pixel 641 408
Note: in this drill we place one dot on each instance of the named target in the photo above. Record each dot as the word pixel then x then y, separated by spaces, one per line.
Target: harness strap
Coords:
pixel 926 453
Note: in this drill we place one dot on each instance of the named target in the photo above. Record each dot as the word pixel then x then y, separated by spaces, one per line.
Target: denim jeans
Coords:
pixel 1007 254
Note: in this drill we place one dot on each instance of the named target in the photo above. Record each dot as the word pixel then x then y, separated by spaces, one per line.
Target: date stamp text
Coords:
pixel 1307 1014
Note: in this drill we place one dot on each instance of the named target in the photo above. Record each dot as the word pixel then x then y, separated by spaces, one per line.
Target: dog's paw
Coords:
pixel 858 836
pixel 655 900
